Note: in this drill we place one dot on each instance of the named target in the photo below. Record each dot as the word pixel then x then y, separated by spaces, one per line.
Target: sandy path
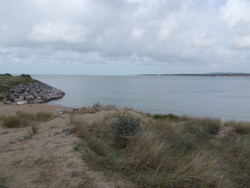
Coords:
pixel 48 159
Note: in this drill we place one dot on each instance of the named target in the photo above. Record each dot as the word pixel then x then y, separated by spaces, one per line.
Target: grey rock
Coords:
pixel 21 98
pixel 37 92
pixel 7 102
pixel 29 98
pixel 21 102
pixel 17 100
pixel 66 111
pixel 12 97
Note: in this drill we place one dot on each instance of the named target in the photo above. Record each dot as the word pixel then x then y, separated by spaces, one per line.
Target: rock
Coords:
pixel 29 98
pixel 21 98
pixel 12 97
pixel 66 111
pixel 21 102
pixel 17 100
pixel 7 102
pixel 38 101
pixel 37 92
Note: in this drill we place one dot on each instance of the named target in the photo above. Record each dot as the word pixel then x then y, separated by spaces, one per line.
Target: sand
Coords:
pixel 48 159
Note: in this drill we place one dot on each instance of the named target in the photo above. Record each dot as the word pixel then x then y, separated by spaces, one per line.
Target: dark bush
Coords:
pixel 26 76
pixel 202 127
pixel 126 125
pixel 170 117
pixel 14 122
pixel 7 74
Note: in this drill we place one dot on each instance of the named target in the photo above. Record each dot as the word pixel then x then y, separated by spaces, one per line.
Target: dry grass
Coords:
pixel 23 119
pixel 175 152
pixel 239 127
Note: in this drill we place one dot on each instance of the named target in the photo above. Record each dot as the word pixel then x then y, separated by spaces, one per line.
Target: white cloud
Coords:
pixel 162 33
pixel 242 42
pixel 98 40
pixel 167 28
pixel 201 40
pixel 137 33
pixel 235 11
pixel 236 15
pixel 58 32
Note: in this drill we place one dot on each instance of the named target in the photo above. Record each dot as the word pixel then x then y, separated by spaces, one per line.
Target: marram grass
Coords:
pixel 170 152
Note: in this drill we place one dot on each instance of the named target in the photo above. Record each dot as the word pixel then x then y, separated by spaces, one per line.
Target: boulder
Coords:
pixel 12 97
pixel 7 102
pixel 29 98
pixel 22 102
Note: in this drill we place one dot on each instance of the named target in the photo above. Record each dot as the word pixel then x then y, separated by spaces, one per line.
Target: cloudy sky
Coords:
pixel 122 37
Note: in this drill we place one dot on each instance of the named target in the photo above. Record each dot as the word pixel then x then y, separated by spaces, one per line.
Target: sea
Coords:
pixel 227 98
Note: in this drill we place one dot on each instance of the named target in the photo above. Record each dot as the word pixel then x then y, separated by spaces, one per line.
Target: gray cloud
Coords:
pixel 98 37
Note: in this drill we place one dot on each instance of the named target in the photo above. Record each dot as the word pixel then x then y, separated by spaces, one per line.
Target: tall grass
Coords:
pixel 23 119
pixel 175 152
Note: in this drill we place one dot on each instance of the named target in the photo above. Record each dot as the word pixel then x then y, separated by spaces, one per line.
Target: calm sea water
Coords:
pixel 223 97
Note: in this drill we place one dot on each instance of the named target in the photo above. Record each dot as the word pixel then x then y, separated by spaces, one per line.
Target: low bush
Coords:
pixel 126 125
pixel 7 74
pixel 170 117
pixel 26 76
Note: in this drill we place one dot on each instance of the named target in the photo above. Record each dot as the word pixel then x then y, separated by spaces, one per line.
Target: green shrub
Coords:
pixel 25 76
pixel 170 117
pixel 7 74
pixel 126 125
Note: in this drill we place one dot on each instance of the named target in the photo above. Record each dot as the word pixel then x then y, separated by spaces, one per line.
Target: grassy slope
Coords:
pixel 6 81
pixel 167 150
pixel 157 150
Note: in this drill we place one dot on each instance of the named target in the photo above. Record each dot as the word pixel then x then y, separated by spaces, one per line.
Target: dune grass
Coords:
pixel 168 151
pixel 23 119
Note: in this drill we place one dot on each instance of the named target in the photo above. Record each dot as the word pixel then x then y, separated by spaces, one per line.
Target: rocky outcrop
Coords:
pixel 34 93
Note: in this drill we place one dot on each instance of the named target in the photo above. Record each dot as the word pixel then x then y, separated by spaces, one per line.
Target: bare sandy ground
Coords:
pixel 48 159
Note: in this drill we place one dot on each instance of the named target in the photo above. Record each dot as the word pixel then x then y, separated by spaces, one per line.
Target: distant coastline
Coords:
pixel 202 75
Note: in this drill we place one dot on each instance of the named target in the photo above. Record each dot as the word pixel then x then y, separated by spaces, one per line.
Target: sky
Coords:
pixel 124 37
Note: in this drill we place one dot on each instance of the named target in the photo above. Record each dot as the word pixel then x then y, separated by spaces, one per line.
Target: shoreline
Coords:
pixel 8 109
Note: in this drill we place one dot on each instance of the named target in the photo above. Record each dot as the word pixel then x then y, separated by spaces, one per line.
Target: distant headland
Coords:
pixel 202 75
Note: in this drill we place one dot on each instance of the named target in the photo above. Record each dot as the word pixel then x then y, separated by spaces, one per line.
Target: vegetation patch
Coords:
pixel 173 152
pixel 68 131
pixel 126 125
pixel 20 139
pixel 239 127
pixel 170 117
pixel 3 181
pixel 23 119
pixel 7 81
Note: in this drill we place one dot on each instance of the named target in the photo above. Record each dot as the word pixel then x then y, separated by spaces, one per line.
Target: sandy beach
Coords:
pixel 47 159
